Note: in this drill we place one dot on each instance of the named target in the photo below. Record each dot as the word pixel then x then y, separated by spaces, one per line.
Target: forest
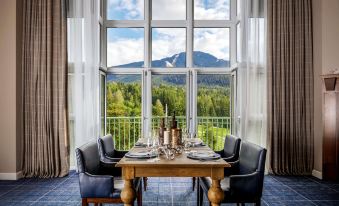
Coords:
pixel 124 100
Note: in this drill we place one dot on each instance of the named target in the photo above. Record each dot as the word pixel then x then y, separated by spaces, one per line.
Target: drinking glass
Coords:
pixel 149 143
pixel 155 147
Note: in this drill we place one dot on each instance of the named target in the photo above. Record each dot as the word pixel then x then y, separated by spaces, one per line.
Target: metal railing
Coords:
pixel 127 130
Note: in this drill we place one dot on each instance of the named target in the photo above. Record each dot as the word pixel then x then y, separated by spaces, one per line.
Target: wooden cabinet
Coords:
pixel 331 127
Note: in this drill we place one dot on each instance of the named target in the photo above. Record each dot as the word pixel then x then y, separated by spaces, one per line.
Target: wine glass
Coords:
pixel 155 147
pixel 149 143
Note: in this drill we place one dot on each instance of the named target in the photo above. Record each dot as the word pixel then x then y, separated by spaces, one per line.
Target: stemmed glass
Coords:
pixel 149 142
pixel 155 148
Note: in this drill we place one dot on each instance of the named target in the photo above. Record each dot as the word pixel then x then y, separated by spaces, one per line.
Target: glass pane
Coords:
pixel 123 93
pixel 213 111
pixel 168 47
pixel 169 9
pixel 125 10
pixel 238 7
pixel 125 47
pixel 238 42
pixel 102 103
pixel 211 47
pixel 212 9
pixel 169 96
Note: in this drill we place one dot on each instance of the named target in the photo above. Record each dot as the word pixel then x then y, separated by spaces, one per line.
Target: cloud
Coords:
pixel 214 41
pixel 169 9
pixel 124 51
pixel 164 9
pixel 217 9
pixel 167 42
pixel 126 9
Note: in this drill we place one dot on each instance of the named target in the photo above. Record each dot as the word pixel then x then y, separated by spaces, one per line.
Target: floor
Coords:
pixel 168 191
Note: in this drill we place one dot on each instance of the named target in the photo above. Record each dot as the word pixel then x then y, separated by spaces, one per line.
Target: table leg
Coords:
pixel 215 193
pixel 128 194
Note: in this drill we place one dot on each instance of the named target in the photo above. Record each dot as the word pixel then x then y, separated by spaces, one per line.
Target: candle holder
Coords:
pixel 170 152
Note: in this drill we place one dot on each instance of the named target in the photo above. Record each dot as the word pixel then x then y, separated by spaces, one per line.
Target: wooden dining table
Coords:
pixel 180 166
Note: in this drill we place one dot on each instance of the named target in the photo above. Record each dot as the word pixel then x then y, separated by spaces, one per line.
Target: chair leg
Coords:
pixel 139 196
pixel 145 183
pixel 200 194
pixel 84 202
pixel 193 179
pixel 258 203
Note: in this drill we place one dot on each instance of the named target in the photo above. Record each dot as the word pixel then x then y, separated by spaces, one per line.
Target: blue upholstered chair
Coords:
pixel 109 156
pixel 230 153
pixel 95 185
pixel 245 185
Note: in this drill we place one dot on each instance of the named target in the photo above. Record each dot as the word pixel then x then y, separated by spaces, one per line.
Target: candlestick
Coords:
pixel 166 137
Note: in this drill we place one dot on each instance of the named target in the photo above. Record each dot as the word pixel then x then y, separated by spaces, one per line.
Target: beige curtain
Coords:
pixel 290 87
pixel 45 140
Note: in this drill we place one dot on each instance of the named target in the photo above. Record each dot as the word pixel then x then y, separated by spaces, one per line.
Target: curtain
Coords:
pixel 45 138
pixel 252 72
pixel 290 87
pixel 83 62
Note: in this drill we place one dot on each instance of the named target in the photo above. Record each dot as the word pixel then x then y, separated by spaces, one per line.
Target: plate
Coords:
pixel 197 144
pixel 141 155
pixel 203 156
pixel 140 144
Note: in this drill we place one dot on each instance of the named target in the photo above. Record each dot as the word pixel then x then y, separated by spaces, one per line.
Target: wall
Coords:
pixel 326 57
pixel 10 89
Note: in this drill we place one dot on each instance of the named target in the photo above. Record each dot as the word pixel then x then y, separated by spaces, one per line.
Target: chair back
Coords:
pixel 106 146
pixel 88 158
pixel 232 147
pixel 252 158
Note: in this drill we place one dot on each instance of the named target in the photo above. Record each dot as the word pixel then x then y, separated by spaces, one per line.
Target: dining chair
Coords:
pixel 95 185
pixel 230 153
pixel 109 156
pixel 246 184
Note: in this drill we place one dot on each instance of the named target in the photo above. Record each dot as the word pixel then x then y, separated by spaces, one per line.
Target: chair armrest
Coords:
pixel 109 160
pixel 220 152
pixel 233 170
pixel 229 159
pixel 119 154
pixel 95 186
pixel 245 185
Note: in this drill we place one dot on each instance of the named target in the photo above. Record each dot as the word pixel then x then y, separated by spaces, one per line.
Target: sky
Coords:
pixel 126 45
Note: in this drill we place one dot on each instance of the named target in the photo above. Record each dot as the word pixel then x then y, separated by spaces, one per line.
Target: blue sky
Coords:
pixel 125 45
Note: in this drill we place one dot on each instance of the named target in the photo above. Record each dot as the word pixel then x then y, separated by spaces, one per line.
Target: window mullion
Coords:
pixel 147 87
pixel 233 33
pixel 189 63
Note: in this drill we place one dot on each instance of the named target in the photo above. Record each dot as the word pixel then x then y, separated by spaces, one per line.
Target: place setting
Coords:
pixel 203 156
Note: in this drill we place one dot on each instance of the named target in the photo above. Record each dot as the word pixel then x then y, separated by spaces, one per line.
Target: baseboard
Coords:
pixel 317 174
pixel 11 176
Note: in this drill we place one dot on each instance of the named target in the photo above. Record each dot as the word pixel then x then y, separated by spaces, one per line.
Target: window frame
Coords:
pixel 191 72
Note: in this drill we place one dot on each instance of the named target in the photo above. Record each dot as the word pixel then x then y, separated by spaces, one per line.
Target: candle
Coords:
pixel 166 137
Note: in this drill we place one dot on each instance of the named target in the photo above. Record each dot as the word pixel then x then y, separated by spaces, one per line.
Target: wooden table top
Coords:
pixel 180 160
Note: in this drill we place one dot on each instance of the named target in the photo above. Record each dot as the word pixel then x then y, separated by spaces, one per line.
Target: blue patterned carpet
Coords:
pixel 168 191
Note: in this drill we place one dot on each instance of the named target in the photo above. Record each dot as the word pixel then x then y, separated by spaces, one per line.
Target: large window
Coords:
pixel 178 55
pixel 123 108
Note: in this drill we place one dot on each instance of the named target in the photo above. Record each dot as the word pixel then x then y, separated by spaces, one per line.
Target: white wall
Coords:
pixel 10 89
pixel 326 57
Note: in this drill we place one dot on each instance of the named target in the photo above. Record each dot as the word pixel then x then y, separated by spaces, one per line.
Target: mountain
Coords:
pixel 200 59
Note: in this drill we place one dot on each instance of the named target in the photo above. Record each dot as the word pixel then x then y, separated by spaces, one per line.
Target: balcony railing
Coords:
pixel 127 130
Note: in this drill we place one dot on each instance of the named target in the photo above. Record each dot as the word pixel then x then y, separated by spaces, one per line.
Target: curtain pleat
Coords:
pixel 45 140
pixel 290 88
